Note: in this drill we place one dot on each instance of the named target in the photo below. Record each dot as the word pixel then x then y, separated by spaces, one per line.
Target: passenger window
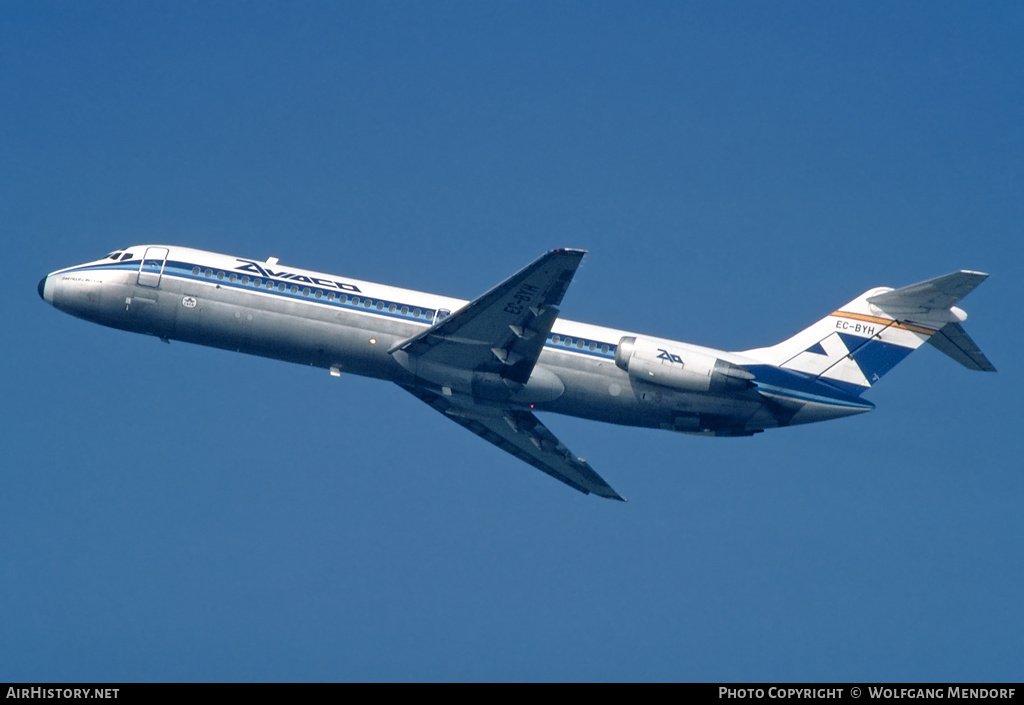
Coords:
pixel 556 339
pixel 294 289
pixel 306 291
pixel 233 278
pixel 195 271
pixel 319 294
pixel 208 273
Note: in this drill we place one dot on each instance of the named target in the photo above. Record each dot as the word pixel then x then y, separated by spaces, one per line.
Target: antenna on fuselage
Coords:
pixel 271 260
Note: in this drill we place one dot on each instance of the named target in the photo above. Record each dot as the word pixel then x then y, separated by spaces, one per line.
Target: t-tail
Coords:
pixel 853 347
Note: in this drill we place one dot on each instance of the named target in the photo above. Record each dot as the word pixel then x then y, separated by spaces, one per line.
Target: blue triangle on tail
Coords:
pixel 874 357
pixel 816 349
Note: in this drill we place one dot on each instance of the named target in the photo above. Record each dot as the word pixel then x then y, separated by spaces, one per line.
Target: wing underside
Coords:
pixel 521 434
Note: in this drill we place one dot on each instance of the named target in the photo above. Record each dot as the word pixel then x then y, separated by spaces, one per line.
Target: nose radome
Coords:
pixel 42 288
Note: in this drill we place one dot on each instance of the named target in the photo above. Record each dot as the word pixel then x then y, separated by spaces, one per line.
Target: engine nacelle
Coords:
pixel 658 362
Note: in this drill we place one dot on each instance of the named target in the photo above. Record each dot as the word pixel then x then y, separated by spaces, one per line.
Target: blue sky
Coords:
pixel 736 170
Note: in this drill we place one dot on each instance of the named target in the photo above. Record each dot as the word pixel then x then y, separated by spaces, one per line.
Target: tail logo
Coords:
pixel 850 359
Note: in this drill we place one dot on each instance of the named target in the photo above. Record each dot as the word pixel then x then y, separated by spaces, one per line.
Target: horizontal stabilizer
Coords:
pixel 953 340
pixel 939 293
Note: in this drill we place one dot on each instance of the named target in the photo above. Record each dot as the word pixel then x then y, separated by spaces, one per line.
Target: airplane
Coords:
pixel 491 363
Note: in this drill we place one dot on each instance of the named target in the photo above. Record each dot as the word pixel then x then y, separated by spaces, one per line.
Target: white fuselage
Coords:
pixel 349 326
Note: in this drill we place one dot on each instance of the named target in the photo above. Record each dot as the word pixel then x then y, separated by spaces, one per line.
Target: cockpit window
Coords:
pixel 127 256
pixel 114 255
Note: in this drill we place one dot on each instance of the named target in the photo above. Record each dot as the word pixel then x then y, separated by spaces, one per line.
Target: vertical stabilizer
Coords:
pixel 854 346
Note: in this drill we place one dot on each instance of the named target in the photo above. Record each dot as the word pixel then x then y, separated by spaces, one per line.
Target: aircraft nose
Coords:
pixel 42 288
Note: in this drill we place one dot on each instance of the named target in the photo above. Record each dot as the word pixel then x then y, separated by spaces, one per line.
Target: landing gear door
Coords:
pixel 152 266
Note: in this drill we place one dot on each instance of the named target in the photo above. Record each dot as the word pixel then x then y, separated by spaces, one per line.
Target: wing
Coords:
pixel 524 436
pixel 502 331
